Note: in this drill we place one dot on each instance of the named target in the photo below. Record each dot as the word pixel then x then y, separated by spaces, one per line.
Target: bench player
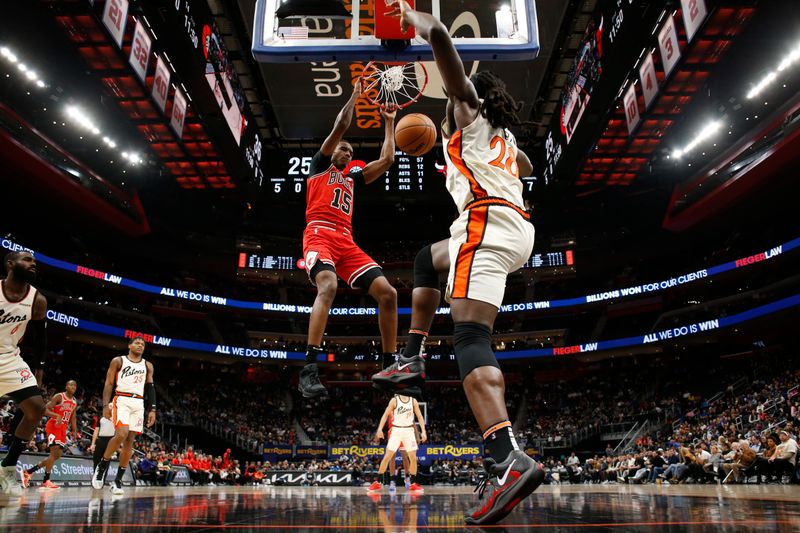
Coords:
pixel 401 410
pixel 328 246
pixel 491 238
pixel 62 410
pixel 22 311
pixel 130 377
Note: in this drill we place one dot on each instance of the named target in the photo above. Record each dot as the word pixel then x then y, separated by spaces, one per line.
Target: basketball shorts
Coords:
pixel 402 437
pixel 335 247
pixel 15 374
pixel 486 244
pixel 129 412
pixel 56 433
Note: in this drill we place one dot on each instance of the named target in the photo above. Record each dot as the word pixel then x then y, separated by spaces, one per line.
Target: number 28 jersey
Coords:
pixel 482 165
pixel 330 193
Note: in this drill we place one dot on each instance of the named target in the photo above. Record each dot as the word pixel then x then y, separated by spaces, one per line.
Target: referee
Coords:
pixel 102 434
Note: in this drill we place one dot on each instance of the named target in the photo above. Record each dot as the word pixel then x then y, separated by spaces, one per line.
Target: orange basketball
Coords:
pixel 415 134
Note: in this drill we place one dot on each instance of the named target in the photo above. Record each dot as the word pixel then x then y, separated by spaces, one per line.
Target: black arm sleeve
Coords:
pixel 36 334
pixel 319 163
pixel 149 396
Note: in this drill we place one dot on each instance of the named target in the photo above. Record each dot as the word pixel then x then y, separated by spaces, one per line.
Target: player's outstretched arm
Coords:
pixel 150 395
pixel 377 168
pixel 342 124
pixel 456 83
pixel 37 333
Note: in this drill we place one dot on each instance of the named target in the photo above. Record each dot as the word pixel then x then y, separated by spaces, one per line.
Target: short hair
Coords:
pixel 11 256
pixel 136 338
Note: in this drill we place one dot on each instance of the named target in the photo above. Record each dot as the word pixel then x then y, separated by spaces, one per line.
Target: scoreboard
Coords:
pixel 407 175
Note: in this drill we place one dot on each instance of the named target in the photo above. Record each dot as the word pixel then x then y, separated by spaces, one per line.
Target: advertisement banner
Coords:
pixel 694 13
pixel 140 51
pixel 115 15
pixel 668 44
pixel 323 478
pixel 277 452
pixel 426 454
pixel 69 470
pixel 181 475
pixel 311 452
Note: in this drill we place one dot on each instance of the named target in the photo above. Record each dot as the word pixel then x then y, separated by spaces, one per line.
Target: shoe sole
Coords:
pixel 310 395
pixel 505 505
pixel 397 381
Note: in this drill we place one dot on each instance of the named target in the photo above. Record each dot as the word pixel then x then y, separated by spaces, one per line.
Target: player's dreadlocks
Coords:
pixel 499 107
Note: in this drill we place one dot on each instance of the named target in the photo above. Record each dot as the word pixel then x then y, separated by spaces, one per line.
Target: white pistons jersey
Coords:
pixel 403 415
pixel 14 318
pixel 131 377
pixel 482 164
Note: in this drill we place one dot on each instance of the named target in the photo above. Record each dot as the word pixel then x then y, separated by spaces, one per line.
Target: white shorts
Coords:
pixel 15 374
pixel 487 243
pixel 404 437
pixel 129 412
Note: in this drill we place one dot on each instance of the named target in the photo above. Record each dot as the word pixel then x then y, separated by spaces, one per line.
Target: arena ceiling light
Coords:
pixel 77 115
pixel 707 132
pixel 30 74
pixel 771 76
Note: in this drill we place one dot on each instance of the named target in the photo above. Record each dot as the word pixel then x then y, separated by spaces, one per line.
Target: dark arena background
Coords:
pixel 154 160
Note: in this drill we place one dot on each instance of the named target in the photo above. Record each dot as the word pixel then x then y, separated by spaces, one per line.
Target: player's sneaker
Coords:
pixel 403 373
pixel 49 485
pixel 506 484
pixel 375 486
pixel 310 385
pixel 26 479
pixel 116 488
pixel 407 483
pixel 8 482
pixel 392 487
pixel 416 487
pixel 99 476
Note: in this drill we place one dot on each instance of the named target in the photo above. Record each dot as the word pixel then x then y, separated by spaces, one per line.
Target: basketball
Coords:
pixel 415 134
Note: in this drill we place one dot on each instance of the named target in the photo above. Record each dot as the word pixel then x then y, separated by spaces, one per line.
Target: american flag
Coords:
pixel 293 32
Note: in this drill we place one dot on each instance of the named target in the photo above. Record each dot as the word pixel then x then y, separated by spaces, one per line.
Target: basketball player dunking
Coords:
pixel 328 246
pixel 62 409
pixel 401 410
pixel 131 378
pixel 491 238
pixel 22 308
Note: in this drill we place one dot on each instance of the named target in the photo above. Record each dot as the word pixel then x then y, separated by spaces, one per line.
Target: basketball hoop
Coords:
pixel 397 84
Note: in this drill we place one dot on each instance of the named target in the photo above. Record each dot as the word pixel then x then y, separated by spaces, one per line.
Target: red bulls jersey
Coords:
pixel 65 408
pixel 330 192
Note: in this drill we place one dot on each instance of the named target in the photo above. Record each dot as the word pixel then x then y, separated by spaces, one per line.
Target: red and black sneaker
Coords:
pixel 405 372
pixel 506 484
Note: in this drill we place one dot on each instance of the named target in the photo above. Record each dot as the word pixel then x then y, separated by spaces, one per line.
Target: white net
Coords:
pixel 396 85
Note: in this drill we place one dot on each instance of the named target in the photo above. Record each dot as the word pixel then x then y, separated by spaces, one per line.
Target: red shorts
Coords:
pixel 56 433
pixel 335 247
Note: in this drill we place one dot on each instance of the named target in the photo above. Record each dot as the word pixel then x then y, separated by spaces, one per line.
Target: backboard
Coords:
pixel 487 30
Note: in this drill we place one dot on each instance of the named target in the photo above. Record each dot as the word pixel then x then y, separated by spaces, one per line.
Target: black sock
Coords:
pixel 499 441
pixel 416 342
pixel 120 473
pixel 14 451
pixel 311 353
pixel 102 466
pixel 413 478
pixel 386 478
pixel 387 359
pixel 46 476
pixel 33 469
pixel 398 479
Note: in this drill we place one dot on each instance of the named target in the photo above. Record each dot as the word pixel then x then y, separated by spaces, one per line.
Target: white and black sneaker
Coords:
pixel 99 476
pixel 116 488
pixel 9 485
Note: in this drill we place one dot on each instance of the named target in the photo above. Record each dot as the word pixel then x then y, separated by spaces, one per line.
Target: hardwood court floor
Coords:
pixel 652 508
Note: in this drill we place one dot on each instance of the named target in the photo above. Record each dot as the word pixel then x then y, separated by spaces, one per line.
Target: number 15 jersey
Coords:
pixel 330 193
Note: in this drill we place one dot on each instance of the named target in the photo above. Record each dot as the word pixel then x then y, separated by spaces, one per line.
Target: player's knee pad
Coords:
pixel 425 274
pixel 473 347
